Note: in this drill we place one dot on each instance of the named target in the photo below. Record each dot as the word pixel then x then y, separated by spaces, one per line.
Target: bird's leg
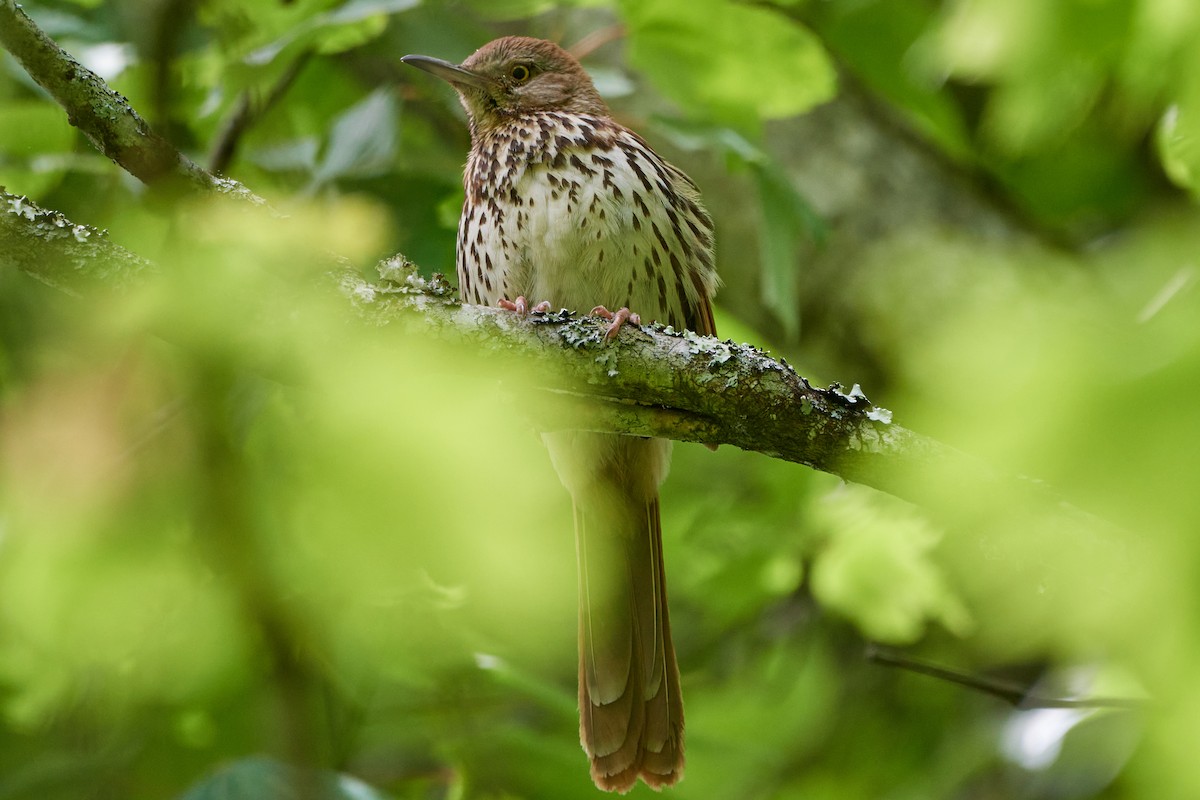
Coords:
pixel 521 306
pixel 618 317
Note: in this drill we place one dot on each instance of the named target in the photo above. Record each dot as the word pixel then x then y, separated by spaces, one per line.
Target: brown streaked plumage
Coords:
pixel 565 205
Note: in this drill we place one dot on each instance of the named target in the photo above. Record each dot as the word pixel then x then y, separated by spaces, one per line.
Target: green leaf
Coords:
pixel 787 220
pixel 728 61
pixel 333 31
pixel 878 571
pixel 259 777
pixel 1177 140
pixel 363 139
pixel 516 9
pixel 887 46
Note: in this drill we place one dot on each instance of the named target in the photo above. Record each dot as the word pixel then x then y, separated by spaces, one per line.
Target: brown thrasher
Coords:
pixel 565 205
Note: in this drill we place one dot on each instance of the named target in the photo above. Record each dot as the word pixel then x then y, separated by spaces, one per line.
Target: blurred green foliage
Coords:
pixel 240 528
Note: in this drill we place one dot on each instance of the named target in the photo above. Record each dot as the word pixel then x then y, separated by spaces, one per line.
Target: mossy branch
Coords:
pixel 66 255
pixel 652 381
pixel 648 382
pixel 103 115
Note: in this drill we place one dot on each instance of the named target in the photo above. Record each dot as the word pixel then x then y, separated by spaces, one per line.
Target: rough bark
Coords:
pixel 652 381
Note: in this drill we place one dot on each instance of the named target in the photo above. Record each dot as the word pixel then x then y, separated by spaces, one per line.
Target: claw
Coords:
pixel 521 306
pixel 618 317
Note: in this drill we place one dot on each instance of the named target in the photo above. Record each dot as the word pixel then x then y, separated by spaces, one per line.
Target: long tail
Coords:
pixel 630 710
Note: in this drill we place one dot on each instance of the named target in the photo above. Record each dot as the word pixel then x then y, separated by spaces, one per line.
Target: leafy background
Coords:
pixel 239 529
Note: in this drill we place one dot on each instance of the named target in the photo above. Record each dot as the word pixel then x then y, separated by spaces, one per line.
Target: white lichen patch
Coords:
pixel 880 415
pixel 19 206
pixel 395 269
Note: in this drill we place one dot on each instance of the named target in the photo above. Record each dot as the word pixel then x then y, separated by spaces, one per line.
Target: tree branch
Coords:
pixel 677 385
pixel 102 114
pixel 650 381
pixel 70 257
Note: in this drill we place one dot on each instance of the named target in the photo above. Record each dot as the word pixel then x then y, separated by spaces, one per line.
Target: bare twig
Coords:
pixel 595 40
pixel 1014 693
pixel 248 111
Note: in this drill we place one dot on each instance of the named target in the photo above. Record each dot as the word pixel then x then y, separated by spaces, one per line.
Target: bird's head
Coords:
pixel 513 76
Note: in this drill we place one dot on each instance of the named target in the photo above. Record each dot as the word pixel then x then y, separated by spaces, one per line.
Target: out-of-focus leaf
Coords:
pixel 886 44
pixel 1082 183
pixel 786 217
pixel 362 141
pixel 792 682
pixel 298 155
pixel 1178 142
pixel 786 220
pixel 100 580
pixel 264 31
pixel 877 569
pixel 611 82
pixel 1071 94
pixel 729 61
pixel 262 778
pixel 513 9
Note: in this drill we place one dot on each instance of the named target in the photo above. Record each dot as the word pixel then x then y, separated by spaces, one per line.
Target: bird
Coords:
pixel 564 205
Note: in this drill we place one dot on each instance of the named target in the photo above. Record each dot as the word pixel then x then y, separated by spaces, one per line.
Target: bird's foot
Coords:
pixel 618 317
pixel 521 306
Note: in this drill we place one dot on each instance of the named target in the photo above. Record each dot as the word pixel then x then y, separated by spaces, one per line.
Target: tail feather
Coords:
pixel 631 713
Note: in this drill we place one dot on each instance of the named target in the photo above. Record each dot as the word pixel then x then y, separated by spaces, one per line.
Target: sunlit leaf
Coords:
pixel 736 63
pixel 1178 142
pixel 513 9
pixel 877 569
pixel 337 28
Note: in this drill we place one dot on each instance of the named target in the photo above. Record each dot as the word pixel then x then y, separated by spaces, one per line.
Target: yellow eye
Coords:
pixel 520 73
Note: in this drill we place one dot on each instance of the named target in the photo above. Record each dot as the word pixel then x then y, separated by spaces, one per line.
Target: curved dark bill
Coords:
pixel 448 72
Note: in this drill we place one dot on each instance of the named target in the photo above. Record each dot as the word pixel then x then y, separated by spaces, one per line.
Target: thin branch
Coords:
pixel 595 40
pixel 101 113
pixel 1016 694
pixel 167 20
pixel 248 111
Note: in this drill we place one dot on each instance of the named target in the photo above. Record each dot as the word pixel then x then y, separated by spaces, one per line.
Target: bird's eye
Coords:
pixel 520 73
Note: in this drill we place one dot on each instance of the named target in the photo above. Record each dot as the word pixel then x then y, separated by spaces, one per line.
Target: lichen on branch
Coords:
pixel 104 116
pixel 64 254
